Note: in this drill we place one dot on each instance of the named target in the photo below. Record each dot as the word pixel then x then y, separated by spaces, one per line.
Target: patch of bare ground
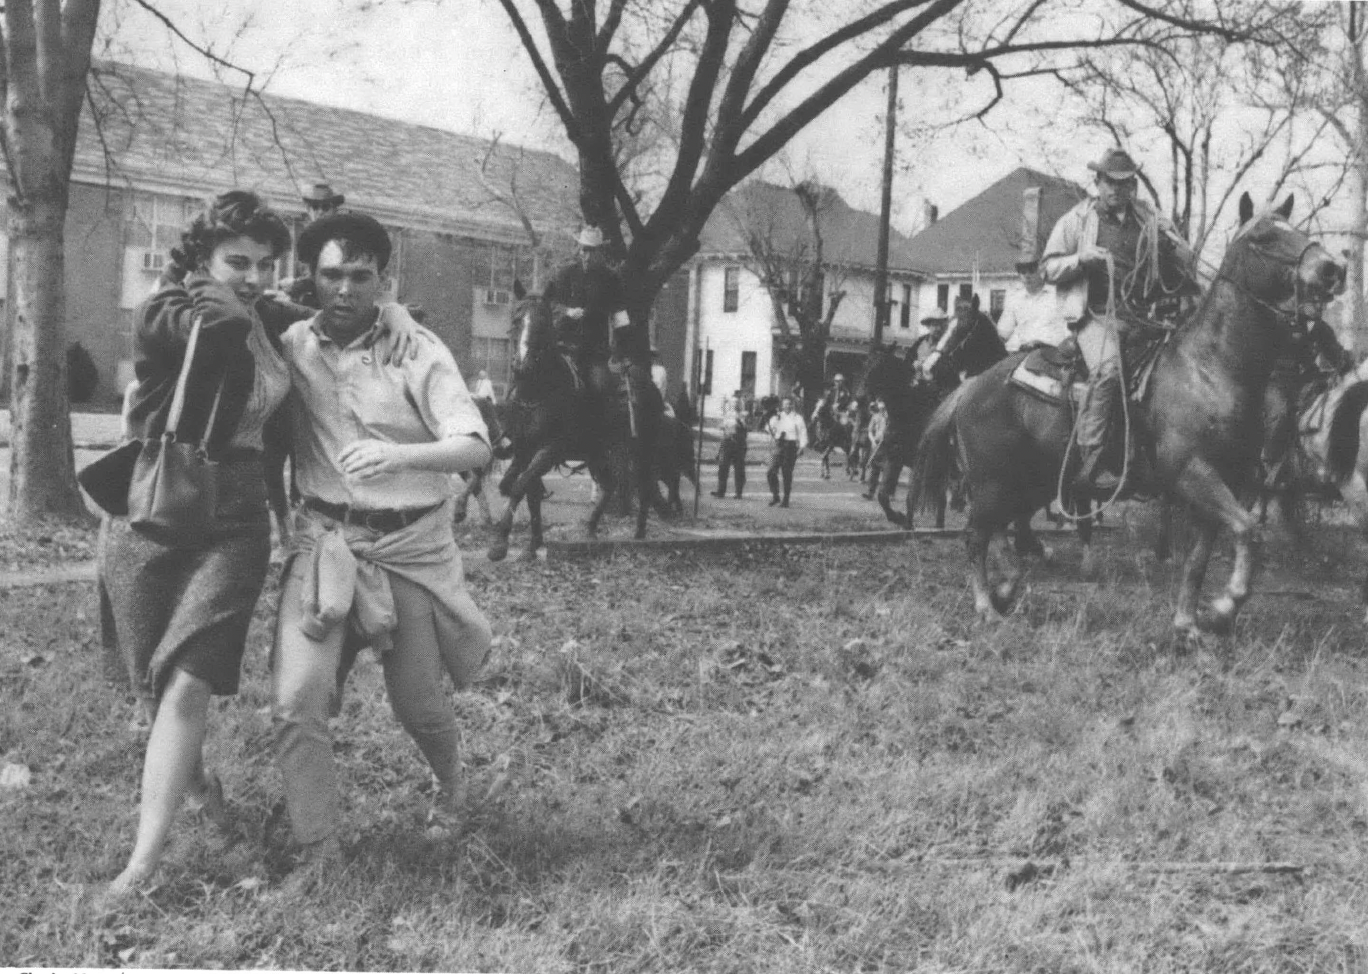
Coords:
pixel 780 759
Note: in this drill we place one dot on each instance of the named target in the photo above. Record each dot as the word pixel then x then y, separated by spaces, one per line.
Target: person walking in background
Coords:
pixel 372 558
pixel 878 427
pixel 731 453
pixel 484 388
pixel 788 434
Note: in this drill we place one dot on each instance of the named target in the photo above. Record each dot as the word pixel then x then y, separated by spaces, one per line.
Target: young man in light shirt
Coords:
pixel 1032 316
pixel 372 560
pixel 789 433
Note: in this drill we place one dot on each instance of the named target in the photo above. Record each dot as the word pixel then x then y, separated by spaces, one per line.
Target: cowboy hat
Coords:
pixel 1115 164
pixel 590 237
pixel 322 195
pixel 931 321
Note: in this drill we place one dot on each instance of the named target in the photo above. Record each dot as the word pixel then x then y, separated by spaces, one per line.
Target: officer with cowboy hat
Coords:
pixel 1110 258
pixel 586 295
pixel 321 200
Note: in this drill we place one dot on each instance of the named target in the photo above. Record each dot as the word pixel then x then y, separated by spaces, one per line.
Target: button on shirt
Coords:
pixel 789 427
pixel 341 395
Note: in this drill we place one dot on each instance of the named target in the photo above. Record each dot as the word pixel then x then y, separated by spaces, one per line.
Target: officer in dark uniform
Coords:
pixel 586 296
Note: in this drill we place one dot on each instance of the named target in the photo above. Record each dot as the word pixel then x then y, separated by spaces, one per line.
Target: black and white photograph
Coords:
pixel 617 486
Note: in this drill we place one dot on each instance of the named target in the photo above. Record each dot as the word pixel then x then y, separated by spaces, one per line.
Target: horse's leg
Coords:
pixel 1163 544
pixel 1190 581
pixel 888 482
pixel 1204 488
pixel 826 463
pixel 540 463
pixel 479 482
pixel 1085 533
pixel 646 478
pixel 458 512
pixel 1355 493
pixel 535 492
pixel 600 469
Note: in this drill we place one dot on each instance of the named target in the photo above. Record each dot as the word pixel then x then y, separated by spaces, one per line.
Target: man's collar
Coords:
pixel 367 338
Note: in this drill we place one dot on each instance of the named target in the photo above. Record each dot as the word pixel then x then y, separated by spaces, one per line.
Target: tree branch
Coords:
pixel 553 91
pixel 643 69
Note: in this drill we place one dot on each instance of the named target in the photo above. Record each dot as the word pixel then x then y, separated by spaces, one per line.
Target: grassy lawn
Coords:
pixel 770 759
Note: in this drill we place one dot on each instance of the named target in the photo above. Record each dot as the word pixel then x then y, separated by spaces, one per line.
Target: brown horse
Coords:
pixel 1199 424
pixel 554 415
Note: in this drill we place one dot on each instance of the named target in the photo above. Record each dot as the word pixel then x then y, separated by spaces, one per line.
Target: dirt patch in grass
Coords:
pixel 790 759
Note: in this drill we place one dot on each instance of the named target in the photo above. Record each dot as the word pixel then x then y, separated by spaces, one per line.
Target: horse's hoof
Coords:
pixel 527 554
pixel 1216 623
pixel 1004 597
pixel 498 551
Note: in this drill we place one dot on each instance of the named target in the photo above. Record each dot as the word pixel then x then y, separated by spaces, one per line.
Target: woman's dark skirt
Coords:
pixel 188 608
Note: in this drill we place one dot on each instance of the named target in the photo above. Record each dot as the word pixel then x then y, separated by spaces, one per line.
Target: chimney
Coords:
pixel 930 213
pixel 1029 246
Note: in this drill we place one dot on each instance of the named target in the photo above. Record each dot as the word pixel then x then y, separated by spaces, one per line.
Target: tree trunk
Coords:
pixel 1354 284
pixel 42 468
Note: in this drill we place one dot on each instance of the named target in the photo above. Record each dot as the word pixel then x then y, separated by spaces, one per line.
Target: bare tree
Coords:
pixel 1211 111
pixel 45 72
pixel 746 76
pixel 46 55
pixel 1336 72
pixel 785 231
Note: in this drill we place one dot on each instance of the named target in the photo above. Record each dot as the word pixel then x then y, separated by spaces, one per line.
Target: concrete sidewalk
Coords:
pixel 89 431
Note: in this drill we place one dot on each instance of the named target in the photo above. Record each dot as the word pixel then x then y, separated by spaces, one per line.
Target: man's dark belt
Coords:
pixel 383 521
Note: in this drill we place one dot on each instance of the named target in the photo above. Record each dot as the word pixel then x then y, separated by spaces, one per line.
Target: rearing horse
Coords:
pixel 1200 422
pixel 553 416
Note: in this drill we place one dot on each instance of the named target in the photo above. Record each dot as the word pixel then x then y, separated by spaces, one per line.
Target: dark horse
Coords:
pixel 910 401
pixel 554 416
pixel 1199 424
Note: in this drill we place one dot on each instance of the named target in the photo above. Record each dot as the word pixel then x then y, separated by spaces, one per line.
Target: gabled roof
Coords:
pixel 987 228
pixel 174 132
pixel 850 237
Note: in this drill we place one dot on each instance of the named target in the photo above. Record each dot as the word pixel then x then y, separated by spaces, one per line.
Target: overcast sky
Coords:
pixel 457 65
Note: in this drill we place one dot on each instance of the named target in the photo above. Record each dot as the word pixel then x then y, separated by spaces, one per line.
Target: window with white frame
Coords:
pixel 731 288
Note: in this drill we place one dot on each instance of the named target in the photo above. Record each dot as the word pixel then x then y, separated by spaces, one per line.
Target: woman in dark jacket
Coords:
pixel 180 613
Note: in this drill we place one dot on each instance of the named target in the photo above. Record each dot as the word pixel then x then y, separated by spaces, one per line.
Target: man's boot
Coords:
pixel 1093 425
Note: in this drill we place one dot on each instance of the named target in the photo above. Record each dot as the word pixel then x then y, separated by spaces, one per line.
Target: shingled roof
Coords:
pixel 850 237
pixel 179 134
pixel 987 228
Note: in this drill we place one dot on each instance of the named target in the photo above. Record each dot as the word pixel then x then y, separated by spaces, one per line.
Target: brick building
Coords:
pixel 153 146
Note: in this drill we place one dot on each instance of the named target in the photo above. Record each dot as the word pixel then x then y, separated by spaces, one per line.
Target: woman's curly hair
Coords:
pixel 236 213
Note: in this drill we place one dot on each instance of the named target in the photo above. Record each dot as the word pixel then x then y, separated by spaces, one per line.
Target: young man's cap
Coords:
pixel 322 195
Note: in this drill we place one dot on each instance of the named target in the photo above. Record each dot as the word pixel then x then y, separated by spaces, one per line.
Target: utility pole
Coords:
pixel 885 210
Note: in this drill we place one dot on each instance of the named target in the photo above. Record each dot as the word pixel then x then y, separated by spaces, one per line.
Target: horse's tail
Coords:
pixel 934 460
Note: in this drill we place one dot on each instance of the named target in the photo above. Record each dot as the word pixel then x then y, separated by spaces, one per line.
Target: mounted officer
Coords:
pixel 588 302
pixel 1114 262
pixel 586 298
pixel 969 345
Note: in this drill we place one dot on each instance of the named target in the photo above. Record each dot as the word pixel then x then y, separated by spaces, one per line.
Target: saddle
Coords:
pixel 1058 374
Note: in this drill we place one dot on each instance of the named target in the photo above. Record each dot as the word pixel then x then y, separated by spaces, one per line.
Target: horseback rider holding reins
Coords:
pixel 1112 258
pixel 970 344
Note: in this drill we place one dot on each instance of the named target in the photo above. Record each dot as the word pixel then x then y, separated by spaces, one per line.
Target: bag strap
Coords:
pixel 173 417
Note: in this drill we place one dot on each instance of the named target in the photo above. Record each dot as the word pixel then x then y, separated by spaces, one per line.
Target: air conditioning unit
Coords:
pixel 495 296
pixel 153 260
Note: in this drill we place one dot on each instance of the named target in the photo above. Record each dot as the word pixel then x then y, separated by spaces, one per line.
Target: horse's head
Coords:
pixel 1275 261
pixel 532 329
